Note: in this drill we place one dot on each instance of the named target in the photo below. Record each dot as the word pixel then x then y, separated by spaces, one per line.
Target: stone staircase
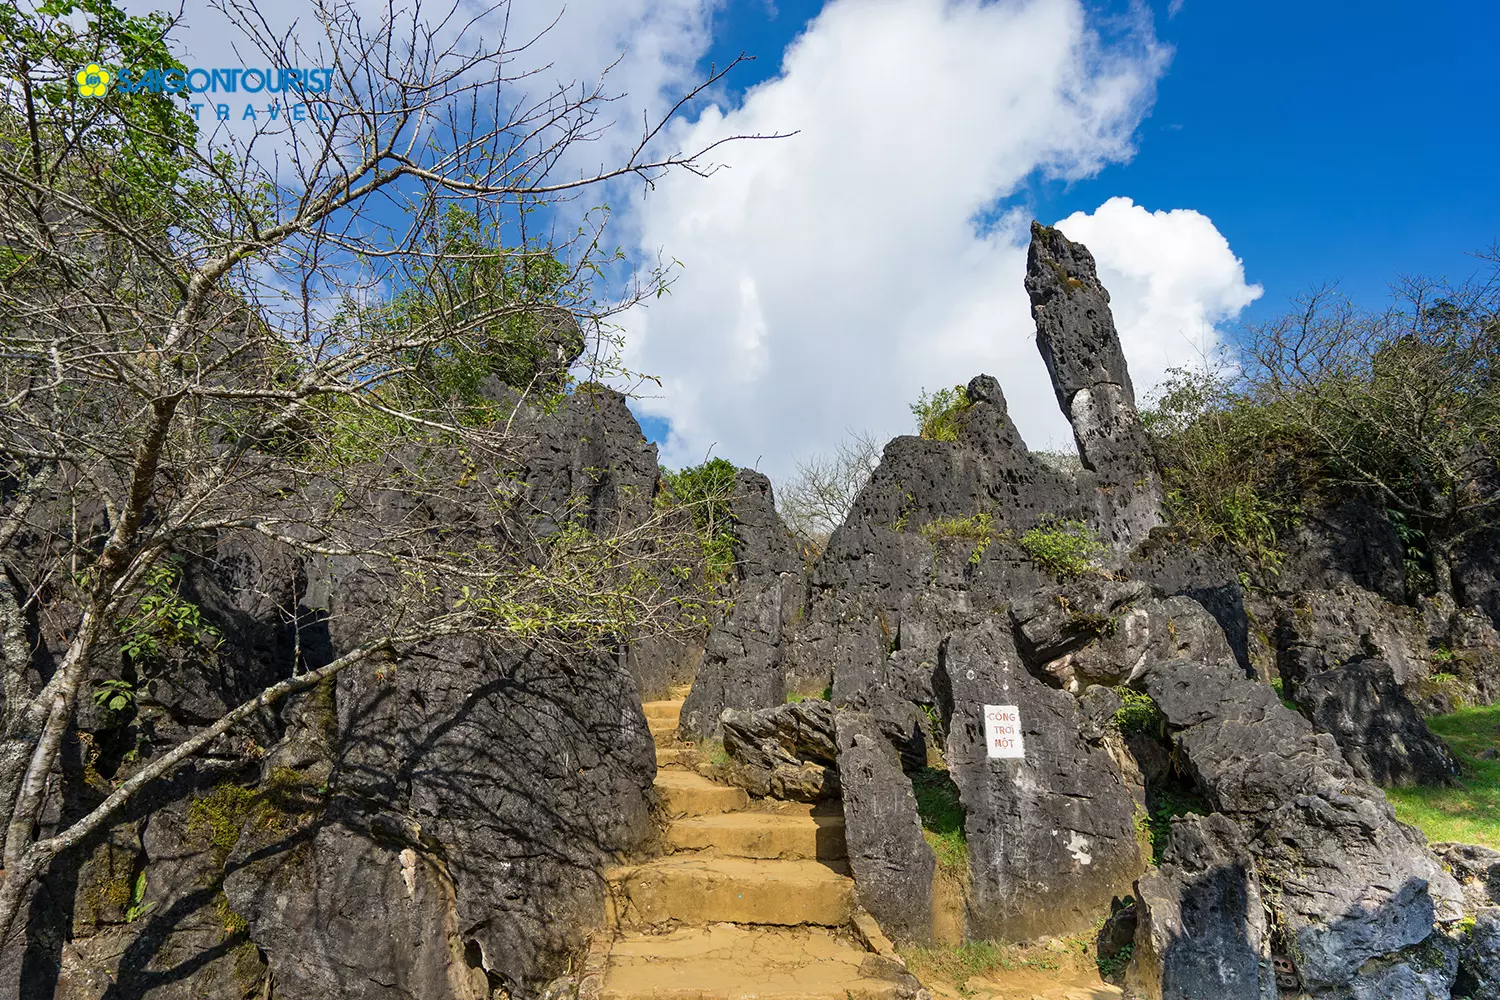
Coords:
pixel 750 900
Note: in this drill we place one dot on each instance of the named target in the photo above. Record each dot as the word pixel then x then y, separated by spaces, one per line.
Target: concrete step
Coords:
pixel 760 835
pixel 740 963
pixel 684 793
pixel 676 757
pixel 702 889
pixel 663 710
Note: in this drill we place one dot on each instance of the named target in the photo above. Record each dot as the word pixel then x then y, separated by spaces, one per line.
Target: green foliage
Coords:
pixel 940 416
pixel 1112 969
pixel 942 816
pixel 136 907
pixel 1468 811
pixel 1232 471
pixel 1278 687
pixel 162 620
pixel 824 695
pixel 1139 715
pixel 125 150
pixel 979 529
pixel 114 695
pixel 706 491
pixel 1167 802
pixel 1062 546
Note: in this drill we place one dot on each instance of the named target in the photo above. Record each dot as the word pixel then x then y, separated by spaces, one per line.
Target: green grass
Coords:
pixel 824 695
pixel 984 959
pixel 1470 811
pixel 942 816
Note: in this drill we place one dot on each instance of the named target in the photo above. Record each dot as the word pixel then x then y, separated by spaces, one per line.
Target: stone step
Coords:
pixel 761 835
pixel 740 963
pixel 684 793
pixel 702 889
pixel 663 710
pixel 676 757
pixel 662 730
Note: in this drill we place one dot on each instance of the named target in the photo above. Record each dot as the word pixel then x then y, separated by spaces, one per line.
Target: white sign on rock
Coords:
pixel 1002 731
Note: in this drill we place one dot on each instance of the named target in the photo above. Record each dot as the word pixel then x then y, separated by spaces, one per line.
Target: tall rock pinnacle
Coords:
pixel 1076 334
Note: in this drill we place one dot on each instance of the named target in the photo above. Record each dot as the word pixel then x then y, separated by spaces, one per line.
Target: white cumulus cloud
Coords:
pixel 830 276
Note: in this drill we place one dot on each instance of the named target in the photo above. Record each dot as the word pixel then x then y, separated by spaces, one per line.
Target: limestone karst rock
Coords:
pixel 1201 926
pixel 1075 333
pixel 741 667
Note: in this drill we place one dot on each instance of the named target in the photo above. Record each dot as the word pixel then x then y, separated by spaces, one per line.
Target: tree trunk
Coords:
pixel 1442 570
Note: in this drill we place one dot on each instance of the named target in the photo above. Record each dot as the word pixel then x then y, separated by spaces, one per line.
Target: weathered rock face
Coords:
pixel 1476 573
pixel 1348 883
pixel 528 771
pixel 1347 545
pixel 356 906
pixel 741 666
pixel 1479 957
pixel 1322 629
pixel 786 752
pixel 1477 870
pixel 891 862
pixel 1060 817
pixel 1076 336
pixel 1380 731
pixel 1201 926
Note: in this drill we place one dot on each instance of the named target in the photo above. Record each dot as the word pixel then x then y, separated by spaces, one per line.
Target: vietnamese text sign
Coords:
pixel 1002 731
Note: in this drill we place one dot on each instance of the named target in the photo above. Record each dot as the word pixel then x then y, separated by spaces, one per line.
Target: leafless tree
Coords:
pixel 271 336
pixel 818 498
pixel 1402 403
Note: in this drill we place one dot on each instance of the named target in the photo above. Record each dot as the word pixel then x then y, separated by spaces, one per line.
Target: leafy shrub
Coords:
pixel 1138 714
pixel 1232 470
pixel 940 416
pixel 1062 546
pixel 705 491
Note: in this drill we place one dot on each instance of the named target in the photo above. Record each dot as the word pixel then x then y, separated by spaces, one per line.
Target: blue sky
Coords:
pixel 1327 141
pixel 1217 157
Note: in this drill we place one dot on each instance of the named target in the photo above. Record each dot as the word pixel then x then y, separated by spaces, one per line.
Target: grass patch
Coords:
pixel 1167 803
pixel 957 964
pixel 942 816
pixel 824 695
pixel 1468 812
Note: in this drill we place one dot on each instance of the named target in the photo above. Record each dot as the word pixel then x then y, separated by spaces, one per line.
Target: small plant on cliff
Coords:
pixel 940 415
pixel 979 529
pixel 942 816
pixel 1063 546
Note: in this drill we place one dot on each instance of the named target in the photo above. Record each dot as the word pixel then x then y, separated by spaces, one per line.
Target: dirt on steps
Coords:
pixel 734 962
pixel 697 889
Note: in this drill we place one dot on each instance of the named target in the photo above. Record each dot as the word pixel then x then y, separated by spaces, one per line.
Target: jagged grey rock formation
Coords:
pixel 1479 957
pixel 1380 731
pixel 1075 333
pixel 892 863
pixel 1200 921
pixel 786 752
pixel 1350 883
pixel 1477 870
pixel 1061 816
pixel 1342 545
pixel 741 666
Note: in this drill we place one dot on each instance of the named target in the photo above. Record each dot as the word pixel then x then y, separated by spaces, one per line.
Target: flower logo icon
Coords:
pixel 93 80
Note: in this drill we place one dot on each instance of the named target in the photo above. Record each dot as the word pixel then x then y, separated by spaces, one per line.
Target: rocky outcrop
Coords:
pixel 1479 957
pixel 1349 884
pixel 1076 336
pixel 1200 922
pixel 891 862
pixel 741 666
pixel 1349 544
pixel 1061 816
pixel 1380 731
pixel 786 752
pixel 1477 870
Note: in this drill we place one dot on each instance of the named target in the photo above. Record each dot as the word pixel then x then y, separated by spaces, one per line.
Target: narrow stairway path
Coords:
pixel 751 899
